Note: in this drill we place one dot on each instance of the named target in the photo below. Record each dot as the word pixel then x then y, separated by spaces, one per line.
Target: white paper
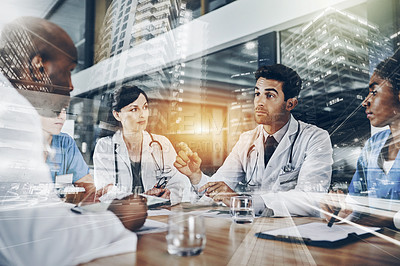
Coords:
pixel 64 179
pixel 212 213
pixel 152 200
pixel 95 207
pixel 151 226
pixel 321 232
pixel 218 214
pixel 158 212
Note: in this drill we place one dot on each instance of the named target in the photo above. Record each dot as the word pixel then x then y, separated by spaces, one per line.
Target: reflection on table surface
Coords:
pixel 235 244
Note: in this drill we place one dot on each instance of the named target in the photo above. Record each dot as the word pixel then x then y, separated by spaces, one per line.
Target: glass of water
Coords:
pixel 242 210
pixel 186 234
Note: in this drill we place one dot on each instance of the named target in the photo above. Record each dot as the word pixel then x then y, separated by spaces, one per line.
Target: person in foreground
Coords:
pixel 281 161
pixel 39 229
pixel 374 191
pixel 134 159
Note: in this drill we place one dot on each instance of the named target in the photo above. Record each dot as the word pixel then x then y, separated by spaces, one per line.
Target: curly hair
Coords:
pixel 389 69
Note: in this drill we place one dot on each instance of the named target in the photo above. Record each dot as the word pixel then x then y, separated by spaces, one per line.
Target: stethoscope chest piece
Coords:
pixel 288 168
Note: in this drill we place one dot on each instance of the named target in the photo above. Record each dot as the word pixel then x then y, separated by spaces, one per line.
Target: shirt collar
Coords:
pixel 278 135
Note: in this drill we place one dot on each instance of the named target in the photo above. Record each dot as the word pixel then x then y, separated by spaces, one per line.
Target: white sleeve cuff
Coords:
pixel 396 220
pixel 272 202
pixel 204 180
pixel 258 205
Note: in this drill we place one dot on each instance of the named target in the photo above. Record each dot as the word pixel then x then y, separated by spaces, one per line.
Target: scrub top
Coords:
pixel 66 158
pixel 370 179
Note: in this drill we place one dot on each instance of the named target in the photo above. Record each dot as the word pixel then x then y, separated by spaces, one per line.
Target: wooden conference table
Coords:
pixel 235 244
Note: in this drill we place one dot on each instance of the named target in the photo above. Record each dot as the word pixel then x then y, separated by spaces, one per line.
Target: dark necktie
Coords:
pixel 270 146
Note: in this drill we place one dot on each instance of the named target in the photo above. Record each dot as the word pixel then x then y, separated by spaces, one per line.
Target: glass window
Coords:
pixel 121 44
pixel 122 35
pixel 333 52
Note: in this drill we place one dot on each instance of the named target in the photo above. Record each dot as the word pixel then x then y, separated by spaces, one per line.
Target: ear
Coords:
pixel 116 115
pixel 37 62
pixel 291 104
pixel 37 68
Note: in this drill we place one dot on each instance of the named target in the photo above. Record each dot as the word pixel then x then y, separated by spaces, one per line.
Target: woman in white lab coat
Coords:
pixel 133 159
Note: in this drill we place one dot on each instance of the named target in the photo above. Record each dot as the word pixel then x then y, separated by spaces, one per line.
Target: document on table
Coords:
pixel 95 207
pixel 317 232
pixel 152 226
pixel 158 212
pixel 102 207
pixel 155 201
pixel 218 214
pixel 212 213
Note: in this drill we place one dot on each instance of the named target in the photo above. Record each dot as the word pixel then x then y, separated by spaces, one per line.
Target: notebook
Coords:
pixel 319 234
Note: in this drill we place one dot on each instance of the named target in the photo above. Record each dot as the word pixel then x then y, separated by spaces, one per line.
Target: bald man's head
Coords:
pixel 49 38
pixel 52 51
pixel 37 55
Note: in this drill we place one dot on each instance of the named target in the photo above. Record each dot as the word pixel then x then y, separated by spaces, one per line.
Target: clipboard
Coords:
pixel 319 234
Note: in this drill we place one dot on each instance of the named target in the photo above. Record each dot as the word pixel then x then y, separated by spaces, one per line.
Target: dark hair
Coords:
pixel 291 80
pixel 125 95
pixel 389 69
pixel 121 97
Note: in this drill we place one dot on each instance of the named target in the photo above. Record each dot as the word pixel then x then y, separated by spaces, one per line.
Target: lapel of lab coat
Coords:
pixel 122 153
pixel 147 165
pixel 278 159
pixel 259 143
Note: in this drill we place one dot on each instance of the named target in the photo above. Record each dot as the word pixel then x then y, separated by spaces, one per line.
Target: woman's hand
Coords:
pixel 102 191
pixel 159 192
pixel 131 210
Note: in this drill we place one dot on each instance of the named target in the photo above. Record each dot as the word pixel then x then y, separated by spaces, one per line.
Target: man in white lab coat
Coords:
pixel 36 228
pixel 282 162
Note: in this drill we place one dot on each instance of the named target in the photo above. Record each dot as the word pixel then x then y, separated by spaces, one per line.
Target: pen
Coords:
pixel 332 220
pixel 162 182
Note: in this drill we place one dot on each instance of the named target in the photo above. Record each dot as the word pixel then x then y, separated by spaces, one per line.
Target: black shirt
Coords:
pixel 137 177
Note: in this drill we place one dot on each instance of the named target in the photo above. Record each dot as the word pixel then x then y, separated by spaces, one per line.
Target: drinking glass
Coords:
pixel 186 234
pixel 242 210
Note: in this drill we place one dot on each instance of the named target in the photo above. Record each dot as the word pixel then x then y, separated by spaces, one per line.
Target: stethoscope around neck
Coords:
pixel 288 168
pixel 161 171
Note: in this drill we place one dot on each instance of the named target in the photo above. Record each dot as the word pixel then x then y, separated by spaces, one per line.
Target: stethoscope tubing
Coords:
pixel 287 168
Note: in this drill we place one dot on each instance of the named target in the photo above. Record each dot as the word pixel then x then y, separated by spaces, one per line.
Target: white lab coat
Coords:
pixel 104 166
pixel 36 228
pixel 283 192
pixel 21 139
pixel 53 235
